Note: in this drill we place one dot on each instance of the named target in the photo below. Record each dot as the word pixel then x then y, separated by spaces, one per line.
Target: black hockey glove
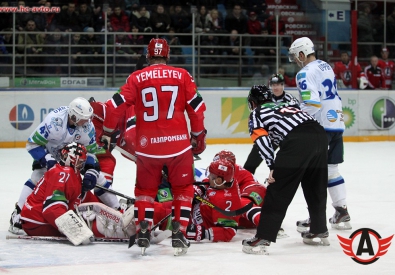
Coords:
pixel 47 161
pixel 89 180
pixel 197 233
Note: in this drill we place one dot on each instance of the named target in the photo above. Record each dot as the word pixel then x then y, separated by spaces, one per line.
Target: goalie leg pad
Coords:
pixel 74 228
pixel 109 222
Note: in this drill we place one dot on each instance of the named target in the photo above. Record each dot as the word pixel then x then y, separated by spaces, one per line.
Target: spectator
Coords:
pixel 77 51
pixel 31 43
pixel 375 75
pixel 5 18
pixel 119 20
pixel 67 19
pixel 21 18
pixel 387 66
pixel 236 20
pixel 289 81
pixel 99 24
pixel 54 49
pixel 131 6
pixel 343 71
pixel 209 4
pixel 181 20
pixel 6 51
pixel 365 30
pixel 94 51
pixel 262 76
pixel 201 20
pixel 137 41
pixel 176 57
pixel 141 19
pixel 378 32
pixel 48 17
pixel 253 25
pixel 210 51
pixel 259 7
pixel 160 20
pixel 265 48
pixel 215 22
pixel 85 16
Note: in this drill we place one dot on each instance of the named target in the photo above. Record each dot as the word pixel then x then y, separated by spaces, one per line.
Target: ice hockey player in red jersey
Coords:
pixel 221 190
pixel 343 72
pixel 387 66
pixel 161 95
pixel 46 210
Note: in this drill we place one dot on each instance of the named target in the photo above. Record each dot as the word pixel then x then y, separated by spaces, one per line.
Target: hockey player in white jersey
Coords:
pixel 317 87
pixel 62 126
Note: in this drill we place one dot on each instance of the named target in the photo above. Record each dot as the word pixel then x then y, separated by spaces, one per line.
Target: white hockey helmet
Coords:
pixel 80 109
pixel 303 44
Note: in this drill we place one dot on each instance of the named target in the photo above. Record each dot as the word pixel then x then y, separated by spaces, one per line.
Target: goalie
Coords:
pixel 49 210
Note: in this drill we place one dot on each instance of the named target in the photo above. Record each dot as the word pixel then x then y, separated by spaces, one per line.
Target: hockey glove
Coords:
pixel 106 139
pixel 90 179
pixel 198 142
pixel 197 233
pixel 47 161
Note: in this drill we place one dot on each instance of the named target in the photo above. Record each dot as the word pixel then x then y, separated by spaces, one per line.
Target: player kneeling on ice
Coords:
pixel 48 211
pixel 222 190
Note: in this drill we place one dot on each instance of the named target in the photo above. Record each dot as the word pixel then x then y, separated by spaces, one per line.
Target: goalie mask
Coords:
pixel 221 173
pixel 73 155
pixel 158 47
pixel 259 94
pixel 80 111
pixel 225 154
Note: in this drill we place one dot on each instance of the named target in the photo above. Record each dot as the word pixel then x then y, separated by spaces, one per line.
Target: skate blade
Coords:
pixel 178 251
pixel 322 242
pixel 282 235
pixel 341 226
pixel 302 229
pixel 16 231
pixel 256 250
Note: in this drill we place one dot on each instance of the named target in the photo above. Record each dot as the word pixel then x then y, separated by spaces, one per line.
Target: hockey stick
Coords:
pixel 53 238
pixel 230 213
pixel 130 199
pixel 132 238
pixel 126 153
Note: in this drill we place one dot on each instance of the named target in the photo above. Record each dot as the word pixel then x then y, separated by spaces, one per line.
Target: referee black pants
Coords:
pixel 302 158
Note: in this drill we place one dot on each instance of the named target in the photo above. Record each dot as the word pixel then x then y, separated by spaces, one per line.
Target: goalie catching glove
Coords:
pixel 198 233
pixel 198 142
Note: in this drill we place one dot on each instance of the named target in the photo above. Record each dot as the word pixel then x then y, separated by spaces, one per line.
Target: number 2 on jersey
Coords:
pixel 153 104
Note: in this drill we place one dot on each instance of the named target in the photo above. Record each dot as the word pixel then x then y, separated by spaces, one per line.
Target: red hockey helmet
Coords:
pixel 73 155
pixel 226 154
pixel 223 169
pixel 158 47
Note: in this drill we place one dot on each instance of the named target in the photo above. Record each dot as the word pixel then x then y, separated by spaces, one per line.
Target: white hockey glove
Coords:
pixel 363 82
pixel 73 228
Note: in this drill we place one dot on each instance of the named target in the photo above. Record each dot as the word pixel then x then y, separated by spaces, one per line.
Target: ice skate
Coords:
pixel 256 246
pixel 308 238
pixel 15 221
pixel 144 236
pixel 281 234
pixel 303 225
pixel 341 219
pixel 179 242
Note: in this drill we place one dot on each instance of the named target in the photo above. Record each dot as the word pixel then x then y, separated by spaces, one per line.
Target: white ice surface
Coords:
pixel 369 171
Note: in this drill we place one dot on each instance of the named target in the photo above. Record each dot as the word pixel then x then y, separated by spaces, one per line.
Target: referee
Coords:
pixel 276 84
pixel 302 158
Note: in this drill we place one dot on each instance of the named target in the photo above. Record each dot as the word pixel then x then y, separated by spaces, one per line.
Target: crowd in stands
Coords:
pixel 140 20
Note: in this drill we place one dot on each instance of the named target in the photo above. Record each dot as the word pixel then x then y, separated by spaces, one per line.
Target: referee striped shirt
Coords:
pixel 270 123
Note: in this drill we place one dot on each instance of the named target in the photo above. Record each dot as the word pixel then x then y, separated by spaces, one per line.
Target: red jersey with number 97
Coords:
pixel 161 94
